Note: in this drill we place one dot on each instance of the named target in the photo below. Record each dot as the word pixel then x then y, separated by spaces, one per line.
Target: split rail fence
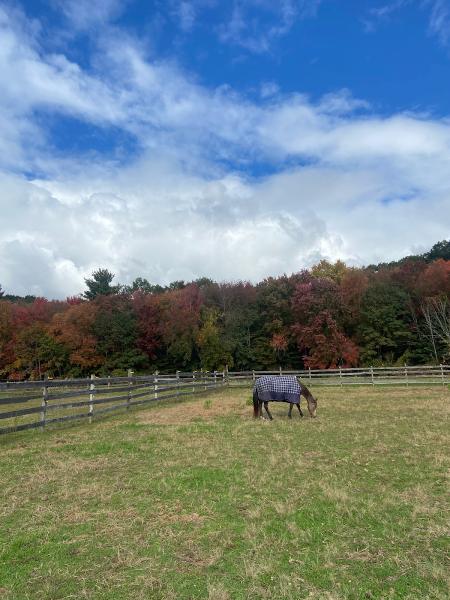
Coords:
pixel 416 375
pixel 36 404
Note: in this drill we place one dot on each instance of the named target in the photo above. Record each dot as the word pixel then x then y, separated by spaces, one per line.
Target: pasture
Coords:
pixel 196 500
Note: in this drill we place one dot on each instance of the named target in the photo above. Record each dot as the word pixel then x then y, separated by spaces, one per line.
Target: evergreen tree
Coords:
pixel 439 250
pixel 100 285
pixel 385 330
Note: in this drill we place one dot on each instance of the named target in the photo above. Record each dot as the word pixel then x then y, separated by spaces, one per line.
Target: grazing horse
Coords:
pixel 281 388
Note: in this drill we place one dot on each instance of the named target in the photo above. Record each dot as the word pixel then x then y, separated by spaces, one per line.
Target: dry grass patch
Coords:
pixel 203 408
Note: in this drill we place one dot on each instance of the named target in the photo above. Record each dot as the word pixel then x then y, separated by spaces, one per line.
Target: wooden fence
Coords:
pixel 416 375
pixel 36 404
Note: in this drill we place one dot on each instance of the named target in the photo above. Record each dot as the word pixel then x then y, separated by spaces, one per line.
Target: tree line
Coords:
pixel 331 315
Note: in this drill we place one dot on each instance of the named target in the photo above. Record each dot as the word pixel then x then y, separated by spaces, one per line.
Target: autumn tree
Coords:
pixel 212 351
pixel 147 308
pixel 324 345
pixel 352 288
pixel 435 279
pixel 180 318
pixel 39 354
pixel 334 271
pixel 319 318
pixel 274 344
pixel 7 331
pixel 408 274
pixel 74 328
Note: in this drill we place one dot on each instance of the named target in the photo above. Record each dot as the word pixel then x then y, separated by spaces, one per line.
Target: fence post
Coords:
pixel 309 373
pixel 44 403
pixel 340 375
pixel 178 382
pixel 155 385
pixel 442 374
pixel 406 376
pixel 130 383
pixel 223 377
pixel 205 379
pixel 371 375
pixel 215 379
pixel 281 370
pixel 91 398
pixel 193 382
pixel 226 376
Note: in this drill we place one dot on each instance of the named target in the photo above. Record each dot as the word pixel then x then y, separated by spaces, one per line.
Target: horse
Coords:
pixel 281 388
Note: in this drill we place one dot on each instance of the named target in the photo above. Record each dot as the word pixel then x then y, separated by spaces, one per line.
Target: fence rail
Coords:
pixel 36 404
pixel 406 375
pixel 57 401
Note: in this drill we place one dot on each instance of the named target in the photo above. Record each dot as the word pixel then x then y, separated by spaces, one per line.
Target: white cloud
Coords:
pixel 439 24
pixel 256 24
pixel 85 14
pixel 186 13
pixel 438 16
pixel 367 189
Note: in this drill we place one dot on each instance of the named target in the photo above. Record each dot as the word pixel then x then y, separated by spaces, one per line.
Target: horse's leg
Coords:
pixel 299 409
pixel 255 405
pixel 290 410
pixel 260 409
pixel 266 406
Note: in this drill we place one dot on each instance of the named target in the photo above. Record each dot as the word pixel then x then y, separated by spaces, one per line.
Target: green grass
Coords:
pixel 198 500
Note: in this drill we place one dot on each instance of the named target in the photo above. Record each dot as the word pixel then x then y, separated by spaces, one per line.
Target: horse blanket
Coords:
pixel 278 388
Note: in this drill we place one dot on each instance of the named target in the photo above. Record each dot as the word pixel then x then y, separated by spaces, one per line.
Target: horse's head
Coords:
pixel 312 402
pixel 312 406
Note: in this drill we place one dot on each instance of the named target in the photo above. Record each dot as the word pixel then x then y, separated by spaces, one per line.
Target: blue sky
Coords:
pixel 393 55
pixel 235 139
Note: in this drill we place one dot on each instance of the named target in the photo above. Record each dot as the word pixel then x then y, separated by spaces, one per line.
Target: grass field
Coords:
pixel 198 500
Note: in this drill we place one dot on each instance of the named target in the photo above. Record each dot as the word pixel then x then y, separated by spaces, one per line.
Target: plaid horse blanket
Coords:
pixel 278 388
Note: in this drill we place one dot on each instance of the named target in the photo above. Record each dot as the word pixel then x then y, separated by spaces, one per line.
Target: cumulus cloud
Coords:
pixel 347 183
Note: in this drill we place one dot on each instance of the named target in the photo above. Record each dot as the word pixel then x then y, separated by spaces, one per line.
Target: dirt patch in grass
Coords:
pixel 204 408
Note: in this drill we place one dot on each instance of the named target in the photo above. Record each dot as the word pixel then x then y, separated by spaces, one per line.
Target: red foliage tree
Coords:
pixel 73 328
pixel 7 322
pixel 147 308
pixel 180 318
pixel 435 280
pixel 352 289
pixel 408 274
pixel 319 314
pixel 324 345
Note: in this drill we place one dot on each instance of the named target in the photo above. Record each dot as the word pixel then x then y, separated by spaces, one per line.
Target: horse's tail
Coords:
pixel 255 404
